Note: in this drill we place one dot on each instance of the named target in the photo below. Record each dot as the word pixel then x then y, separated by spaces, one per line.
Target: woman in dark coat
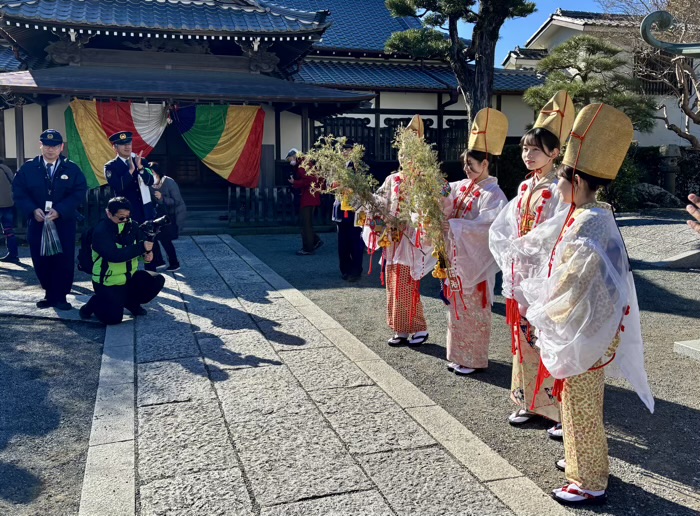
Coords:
pixel 167 195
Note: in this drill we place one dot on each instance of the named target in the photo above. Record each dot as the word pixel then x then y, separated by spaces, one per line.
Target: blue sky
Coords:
pixel 517 32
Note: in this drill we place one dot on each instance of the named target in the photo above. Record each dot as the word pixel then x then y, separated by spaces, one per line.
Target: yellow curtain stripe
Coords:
pixel 97 147
pixel 239 122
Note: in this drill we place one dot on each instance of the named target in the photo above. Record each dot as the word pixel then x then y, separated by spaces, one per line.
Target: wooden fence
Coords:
pixel 273 206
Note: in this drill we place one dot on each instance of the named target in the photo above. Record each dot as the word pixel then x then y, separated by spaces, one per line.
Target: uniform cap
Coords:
pixel 51 137
pixel 121 138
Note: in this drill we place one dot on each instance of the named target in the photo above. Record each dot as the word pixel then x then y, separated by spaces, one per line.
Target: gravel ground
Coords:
pixel 48 380
pixel 655 467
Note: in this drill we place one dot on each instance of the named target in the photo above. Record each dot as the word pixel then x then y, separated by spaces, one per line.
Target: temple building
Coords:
pixel 190 77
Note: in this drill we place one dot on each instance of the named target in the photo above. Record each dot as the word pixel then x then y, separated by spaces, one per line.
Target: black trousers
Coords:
pixel 108 303
pixel 55 273
pixel 309 238
pixel 164 238
pixel 351 247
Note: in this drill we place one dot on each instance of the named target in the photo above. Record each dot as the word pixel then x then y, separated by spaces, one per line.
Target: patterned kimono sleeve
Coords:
pixel 382 199
pixel 577 310
pixel 474 260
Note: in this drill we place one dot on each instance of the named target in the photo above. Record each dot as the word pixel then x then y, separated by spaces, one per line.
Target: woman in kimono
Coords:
pixel 470 208
pixel 584 304
pixel 537 201
pixel 403 262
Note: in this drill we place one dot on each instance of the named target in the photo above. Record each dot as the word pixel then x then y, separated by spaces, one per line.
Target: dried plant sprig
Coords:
pixel 423 188
pixel 329 160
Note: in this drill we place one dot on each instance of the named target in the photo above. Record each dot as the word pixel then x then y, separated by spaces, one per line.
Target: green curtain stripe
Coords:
pixel 76 150
pixel 205 134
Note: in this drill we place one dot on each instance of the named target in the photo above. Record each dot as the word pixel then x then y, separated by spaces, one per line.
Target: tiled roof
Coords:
pixel 530 54
pixel 603 19
pixel 10 63
pixel 504 81
pixel 378 76
pixel 179 15
pixel 177 84
pixel 357 25
pixel 368 76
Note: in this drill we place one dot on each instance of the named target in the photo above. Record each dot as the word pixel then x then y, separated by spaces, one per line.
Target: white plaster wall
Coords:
pixel 661 135
pixel 10 145
pixel 290 132
pixel 417 101
pixel 519 114
pixel 32 130
pixel 57 118
pixel 555 36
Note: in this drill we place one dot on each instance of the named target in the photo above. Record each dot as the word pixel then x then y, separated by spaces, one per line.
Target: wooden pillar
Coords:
pixel 440 121
pixel 377 124
pixel 304 128
pixel 3 148
pixel 19 134
pixel 44 117
pixel 278 135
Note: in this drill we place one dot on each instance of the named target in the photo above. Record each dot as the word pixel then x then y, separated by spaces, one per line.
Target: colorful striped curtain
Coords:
pixel 228 139
pixel 89 124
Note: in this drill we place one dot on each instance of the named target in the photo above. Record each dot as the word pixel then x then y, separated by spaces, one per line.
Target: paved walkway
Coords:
pixel 252 400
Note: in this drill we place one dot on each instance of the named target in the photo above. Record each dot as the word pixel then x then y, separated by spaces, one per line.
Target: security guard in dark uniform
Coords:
pixel 130 179
pixel 126 175
pixel 51 187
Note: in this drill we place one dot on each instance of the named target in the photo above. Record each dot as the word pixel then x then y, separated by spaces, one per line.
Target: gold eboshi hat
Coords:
pixel 417 125
pixel 489 132
pixel 600 139
pixel 558 116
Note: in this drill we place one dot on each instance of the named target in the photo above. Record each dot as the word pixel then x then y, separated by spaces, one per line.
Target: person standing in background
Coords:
pixel 7 214
pixel 169 202
pixel 351 247
pixel 309 201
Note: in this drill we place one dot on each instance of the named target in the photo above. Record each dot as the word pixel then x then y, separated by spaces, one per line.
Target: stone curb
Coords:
pixel 520 494
pixel 688 348
pixel 109 483
pixel 685 260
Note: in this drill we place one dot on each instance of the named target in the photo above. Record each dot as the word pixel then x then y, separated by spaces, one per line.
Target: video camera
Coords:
pixel 152 227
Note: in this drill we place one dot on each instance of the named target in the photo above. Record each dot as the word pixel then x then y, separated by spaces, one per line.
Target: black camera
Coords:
pixel 152 227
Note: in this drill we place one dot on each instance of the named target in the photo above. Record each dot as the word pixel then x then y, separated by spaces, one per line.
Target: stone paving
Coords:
pixel 244 406
pixel 661 238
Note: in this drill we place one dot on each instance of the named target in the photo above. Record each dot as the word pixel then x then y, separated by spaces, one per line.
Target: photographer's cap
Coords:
pixel 121 138
pixel 292 152
pixel 51 137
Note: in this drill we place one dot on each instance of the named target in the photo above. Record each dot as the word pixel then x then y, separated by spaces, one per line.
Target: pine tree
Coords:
pixel 430 42
pixel 592 70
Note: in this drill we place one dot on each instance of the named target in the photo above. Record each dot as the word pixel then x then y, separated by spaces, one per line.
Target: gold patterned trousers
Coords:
pixel 524 378
pixel 585 444
pixel 400 291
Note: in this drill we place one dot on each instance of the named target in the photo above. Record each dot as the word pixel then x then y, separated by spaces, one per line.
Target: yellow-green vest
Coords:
pixel 115 273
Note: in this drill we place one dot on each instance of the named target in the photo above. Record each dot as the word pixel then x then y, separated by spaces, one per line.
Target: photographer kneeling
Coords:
pixel 117 243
